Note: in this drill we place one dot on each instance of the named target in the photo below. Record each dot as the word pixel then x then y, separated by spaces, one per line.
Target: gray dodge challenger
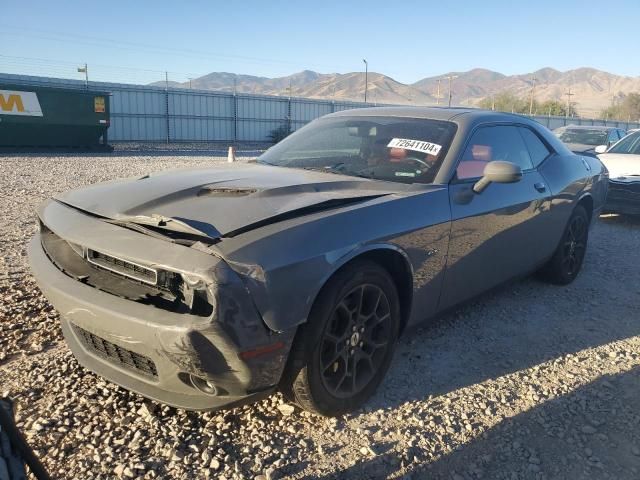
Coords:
pixel 211 287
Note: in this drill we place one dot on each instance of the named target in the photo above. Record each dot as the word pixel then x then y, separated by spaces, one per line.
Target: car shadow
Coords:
pixel 589 433
pixel 520 325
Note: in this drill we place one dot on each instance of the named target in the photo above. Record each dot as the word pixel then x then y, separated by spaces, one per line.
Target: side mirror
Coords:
pixel 601 149
pixel 498 172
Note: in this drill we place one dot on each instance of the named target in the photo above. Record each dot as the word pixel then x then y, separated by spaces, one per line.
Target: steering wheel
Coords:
pixel 417 160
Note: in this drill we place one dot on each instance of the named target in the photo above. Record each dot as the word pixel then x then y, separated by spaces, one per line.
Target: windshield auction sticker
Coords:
pixel 416 145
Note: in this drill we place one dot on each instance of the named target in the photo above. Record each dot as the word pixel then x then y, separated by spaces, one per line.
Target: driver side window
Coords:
pixel 500 142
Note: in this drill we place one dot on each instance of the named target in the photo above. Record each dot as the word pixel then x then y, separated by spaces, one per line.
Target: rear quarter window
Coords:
pixel 537 149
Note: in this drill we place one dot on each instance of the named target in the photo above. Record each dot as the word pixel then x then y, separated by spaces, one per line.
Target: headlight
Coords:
pixel 193 282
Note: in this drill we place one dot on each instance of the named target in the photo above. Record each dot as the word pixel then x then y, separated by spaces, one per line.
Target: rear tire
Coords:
pixel 342 353
pixel 566 263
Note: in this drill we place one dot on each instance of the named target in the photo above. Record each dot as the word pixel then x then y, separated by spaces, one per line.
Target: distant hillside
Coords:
pixel 592 89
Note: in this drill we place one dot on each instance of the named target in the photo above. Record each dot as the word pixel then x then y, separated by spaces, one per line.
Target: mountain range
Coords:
pixel 592 89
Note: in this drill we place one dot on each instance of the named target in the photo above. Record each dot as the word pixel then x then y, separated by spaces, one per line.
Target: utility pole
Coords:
pixel 569 95
pixel 85 70
pixel 438 96
pixel 366 79
pixel 166 104
pixel 533 89
pixel 190 82
pixel 451 78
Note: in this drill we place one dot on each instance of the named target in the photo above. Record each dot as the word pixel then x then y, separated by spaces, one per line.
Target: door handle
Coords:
pixel 541 187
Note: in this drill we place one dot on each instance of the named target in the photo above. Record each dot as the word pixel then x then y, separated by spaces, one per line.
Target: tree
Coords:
pixel 279 133
pixel 510 102
pixel 505 102
pixel 628 109
pixel 556 108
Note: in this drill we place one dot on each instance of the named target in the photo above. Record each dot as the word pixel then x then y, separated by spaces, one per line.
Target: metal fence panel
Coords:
pixel 202 129
pixel 151 113
pixel 261 108
pixel 146 128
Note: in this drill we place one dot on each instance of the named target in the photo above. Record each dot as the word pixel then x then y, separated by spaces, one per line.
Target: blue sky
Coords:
pixel 134 41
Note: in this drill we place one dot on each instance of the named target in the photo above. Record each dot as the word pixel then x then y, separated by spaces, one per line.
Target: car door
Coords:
pixel 495 234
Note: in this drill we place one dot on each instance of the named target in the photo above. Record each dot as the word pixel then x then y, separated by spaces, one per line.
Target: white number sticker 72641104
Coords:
pixel 416 145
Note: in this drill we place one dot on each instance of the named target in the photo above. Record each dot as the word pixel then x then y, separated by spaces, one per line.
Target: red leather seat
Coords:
pixel 397 154
pixel 474 161
pixel 471 169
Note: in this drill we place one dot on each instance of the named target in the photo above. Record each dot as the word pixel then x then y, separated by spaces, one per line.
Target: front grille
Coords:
pixel 116 354
pixel 162 289
pixel 123 267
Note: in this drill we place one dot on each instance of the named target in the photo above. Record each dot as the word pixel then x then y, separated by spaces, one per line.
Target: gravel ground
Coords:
pixel 531 381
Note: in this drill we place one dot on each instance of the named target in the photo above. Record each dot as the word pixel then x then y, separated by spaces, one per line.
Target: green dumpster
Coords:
pixel 44 117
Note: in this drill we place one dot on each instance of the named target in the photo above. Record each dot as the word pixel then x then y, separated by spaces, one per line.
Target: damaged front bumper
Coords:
pixel 196 359
pixel 623 196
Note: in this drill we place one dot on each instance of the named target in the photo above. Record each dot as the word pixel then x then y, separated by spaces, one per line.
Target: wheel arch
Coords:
pixel 395 261
pixel 587 202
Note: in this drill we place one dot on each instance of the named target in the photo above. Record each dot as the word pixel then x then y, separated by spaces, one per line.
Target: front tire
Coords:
pixel 342 353
pixel 566 263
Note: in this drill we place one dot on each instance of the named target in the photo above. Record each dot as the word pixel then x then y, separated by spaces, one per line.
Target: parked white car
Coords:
pixel 623 162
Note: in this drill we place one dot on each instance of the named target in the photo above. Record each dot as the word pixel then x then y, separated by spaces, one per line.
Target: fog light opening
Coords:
pixel 204 385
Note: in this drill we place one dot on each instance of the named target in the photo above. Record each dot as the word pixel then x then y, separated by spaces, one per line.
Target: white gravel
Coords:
pixel 532 381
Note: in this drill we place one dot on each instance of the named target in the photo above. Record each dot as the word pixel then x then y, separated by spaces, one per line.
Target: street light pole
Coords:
pixel 533 89
pixel 366 79
pixel 85 70
pixel 438 94
pixel 451 77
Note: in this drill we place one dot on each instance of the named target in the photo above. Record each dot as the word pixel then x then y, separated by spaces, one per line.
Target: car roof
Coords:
pixel 461 114
pixel 591 127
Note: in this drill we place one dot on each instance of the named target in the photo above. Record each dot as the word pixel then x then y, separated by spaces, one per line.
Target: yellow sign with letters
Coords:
pixel 19 103
pixel 98 104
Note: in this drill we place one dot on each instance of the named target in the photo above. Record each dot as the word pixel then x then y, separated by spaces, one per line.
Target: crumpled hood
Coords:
pixel 621 165
pixel 222 200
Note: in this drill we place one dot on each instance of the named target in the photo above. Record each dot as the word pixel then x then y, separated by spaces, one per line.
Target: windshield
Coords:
pixel 629 144
pixel 394 149
pixel 585 136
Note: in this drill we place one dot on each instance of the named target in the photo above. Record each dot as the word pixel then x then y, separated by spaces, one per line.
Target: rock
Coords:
pixel 286 409
pixel 588 429
pixel 177 455
pixel 119 470
pixel 635 450
pixel 215 464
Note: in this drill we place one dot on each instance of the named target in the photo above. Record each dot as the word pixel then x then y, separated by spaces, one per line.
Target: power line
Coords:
pixel 111 43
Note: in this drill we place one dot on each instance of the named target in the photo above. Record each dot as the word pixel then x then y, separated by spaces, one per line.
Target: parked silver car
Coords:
pixel 585 139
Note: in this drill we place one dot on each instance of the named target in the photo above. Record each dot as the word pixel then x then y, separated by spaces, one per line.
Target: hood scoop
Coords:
pixel 214 191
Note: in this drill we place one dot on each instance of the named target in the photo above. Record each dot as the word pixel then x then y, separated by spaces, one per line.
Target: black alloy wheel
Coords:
pixel 354 343
pixel 340 356
pixel 574 245
pixel 566 262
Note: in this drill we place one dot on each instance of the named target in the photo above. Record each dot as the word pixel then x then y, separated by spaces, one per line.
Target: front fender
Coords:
pixel 285 265
pixel 285 295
